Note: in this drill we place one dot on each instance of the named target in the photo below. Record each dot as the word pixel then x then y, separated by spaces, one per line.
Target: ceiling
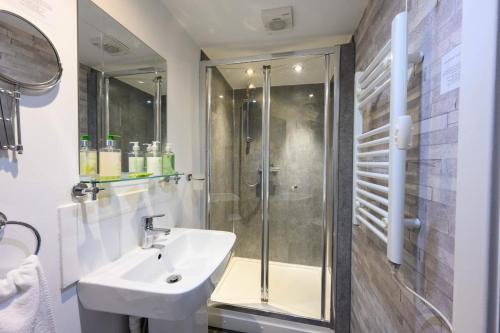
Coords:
pixel 96 26
pixel 282 72
pixel 234 28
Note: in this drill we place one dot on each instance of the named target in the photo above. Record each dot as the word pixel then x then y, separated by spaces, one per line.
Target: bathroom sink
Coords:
pixel 169 281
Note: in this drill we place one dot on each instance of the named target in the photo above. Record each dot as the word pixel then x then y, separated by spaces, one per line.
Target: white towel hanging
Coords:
pixel 25 306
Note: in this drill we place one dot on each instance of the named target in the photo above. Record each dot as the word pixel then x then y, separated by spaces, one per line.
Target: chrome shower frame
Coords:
pixel 103 101
pixel 206 106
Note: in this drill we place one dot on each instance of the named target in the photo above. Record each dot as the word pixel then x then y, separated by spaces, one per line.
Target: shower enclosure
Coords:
pixel 269 169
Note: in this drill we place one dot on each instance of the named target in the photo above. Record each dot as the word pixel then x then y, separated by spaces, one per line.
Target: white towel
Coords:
pixel 25 306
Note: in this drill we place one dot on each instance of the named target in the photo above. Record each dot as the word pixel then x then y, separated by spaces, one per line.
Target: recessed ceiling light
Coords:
pixel 149 101
pixel 298 68
pixel 140 82
pixel 254 101
pixel 311 95
pixel 221 96
pixel 251 86
pixel 249 71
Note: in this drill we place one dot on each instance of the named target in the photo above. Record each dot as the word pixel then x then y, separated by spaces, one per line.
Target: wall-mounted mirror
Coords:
pixel 29 64
pixel 122 86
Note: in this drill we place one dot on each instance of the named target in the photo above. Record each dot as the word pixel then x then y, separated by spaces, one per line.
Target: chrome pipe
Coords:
pixel 7 127
pixel 266 111
pixel 157 109
pixel 17 115
pixel 106 109
pixel 269 57
pixel 249 137
pixel 208 149
pixel 326 121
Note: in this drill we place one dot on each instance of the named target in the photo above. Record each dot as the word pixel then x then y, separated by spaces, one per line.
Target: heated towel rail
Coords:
pixel 380 153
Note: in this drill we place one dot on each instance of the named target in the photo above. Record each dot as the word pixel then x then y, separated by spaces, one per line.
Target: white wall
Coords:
pixel 475 281
pixel 39 181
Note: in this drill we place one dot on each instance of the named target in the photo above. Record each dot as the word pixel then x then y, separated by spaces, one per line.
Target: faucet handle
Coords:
pixel 154 216
pixel 149 219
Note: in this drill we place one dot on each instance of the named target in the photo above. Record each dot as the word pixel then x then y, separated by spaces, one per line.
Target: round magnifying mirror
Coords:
pixel 28 58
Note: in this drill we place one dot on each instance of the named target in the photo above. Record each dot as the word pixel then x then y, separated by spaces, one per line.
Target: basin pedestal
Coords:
pixel 196 323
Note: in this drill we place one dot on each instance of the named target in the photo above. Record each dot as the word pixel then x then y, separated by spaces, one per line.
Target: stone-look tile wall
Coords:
pixel 378 304
pixel 28 57
pixel 342 193
pixel 296 133
pixel 224 160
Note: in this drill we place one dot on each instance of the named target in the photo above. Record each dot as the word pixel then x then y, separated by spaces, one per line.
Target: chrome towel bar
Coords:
pixel 4 222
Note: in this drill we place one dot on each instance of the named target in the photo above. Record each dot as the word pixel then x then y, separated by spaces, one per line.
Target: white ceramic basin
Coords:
pixel 136 283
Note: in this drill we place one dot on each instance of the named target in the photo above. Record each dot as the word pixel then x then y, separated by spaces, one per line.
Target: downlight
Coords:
pixel 298 68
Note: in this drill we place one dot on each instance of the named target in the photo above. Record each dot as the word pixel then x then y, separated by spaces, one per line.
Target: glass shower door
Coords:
pixel 235 99
pixel 266 184
pixel 296 196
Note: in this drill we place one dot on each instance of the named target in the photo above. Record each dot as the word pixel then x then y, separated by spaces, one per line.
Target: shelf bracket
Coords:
pixel 82 189
pixel 176 178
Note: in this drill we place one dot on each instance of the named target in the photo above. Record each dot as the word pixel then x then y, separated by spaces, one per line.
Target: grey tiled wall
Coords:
pixel 131 116
pixel 342 215
pixel 28 57
pixel 378 304
pixel 223 162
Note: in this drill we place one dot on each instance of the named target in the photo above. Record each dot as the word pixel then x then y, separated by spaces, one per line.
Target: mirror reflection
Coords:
pixel 29 64
pixel 122 96
pixel 28 58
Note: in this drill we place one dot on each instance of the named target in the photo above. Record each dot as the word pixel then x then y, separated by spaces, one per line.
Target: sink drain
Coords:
pixel 174 278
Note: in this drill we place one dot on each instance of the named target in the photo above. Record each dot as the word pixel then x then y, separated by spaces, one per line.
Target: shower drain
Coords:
pixel 174 278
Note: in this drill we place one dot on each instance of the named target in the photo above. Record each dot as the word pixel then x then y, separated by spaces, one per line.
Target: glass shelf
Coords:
pixel 125 178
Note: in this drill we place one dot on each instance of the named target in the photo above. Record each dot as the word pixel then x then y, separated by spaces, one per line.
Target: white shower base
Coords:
pixel 293 289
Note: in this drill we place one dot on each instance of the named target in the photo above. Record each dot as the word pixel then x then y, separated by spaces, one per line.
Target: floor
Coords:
pixel 293 289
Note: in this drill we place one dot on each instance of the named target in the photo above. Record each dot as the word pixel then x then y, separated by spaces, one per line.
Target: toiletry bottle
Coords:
pixel 88 158
pixel 168 160
pixel 153 159
pixel 110 159
pixel 135 159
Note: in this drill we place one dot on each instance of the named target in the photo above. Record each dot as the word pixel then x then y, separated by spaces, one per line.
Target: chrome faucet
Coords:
pixel 148 231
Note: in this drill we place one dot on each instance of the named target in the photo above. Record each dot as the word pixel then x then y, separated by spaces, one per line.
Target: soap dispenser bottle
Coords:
pixel 135 159
pixel 88 158
pixel 153 159
pixel 110 159
pixel 168 160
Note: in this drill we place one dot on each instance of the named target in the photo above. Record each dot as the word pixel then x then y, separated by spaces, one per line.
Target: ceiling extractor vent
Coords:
pixel 278 19
pixel 110 45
